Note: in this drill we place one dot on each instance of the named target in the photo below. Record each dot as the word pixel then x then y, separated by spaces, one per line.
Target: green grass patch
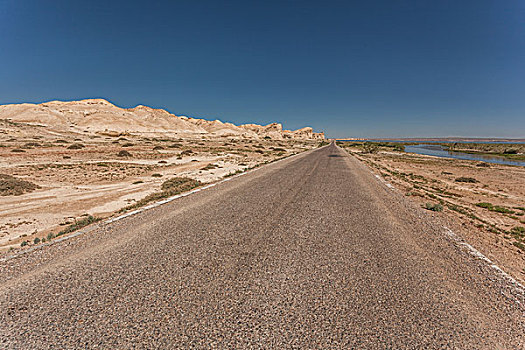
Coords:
pixel 485 205
pixel 495 208
pixel 457 208
pixel 519 245
pixel 518 231
pixel 466 179
pixel 433 207
pixel 502 210
pixel 78 225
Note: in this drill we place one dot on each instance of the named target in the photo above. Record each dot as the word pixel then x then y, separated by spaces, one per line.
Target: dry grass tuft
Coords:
pixel 169 188
pixel 11 186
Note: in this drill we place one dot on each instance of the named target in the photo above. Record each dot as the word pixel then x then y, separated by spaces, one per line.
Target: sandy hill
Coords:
pixel 101 116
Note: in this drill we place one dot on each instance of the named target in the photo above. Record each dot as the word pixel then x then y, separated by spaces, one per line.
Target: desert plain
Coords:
pixel 64 165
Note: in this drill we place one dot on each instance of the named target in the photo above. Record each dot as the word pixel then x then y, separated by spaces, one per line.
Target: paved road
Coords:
pixel 310 252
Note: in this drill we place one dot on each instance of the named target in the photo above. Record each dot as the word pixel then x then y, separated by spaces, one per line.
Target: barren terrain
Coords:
pixel 56 176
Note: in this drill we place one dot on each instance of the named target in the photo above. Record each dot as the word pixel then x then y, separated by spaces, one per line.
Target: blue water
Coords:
pixel 438 151
pixel 430 148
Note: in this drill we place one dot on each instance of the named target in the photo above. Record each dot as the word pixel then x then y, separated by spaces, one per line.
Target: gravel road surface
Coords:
pixel 312 252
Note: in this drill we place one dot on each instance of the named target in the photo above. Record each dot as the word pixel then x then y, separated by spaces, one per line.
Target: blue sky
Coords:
pixel 349 68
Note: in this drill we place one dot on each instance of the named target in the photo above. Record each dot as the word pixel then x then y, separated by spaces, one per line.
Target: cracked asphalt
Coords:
pixel 312 252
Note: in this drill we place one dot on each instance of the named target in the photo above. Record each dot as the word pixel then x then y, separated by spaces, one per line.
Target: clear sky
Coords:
pixel 350 68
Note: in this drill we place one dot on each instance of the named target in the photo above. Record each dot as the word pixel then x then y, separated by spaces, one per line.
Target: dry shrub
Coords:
pixel 169 188
pixel 11 186
pixel 124 153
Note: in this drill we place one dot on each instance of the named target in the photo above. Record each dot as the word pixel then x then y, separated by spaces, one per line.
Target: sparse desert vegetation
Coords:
pixel 169 188
pixel 12 186
pixel 83 222
pixel 466 179
pixel 50 177
pixel 433 206
pixel 484 203
pixel 515 151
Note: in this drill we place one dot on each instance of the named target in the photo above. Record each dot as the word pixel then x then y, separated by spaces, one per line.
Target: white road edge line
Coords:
pixel 477 254
pixel 147 207
pixel 519 288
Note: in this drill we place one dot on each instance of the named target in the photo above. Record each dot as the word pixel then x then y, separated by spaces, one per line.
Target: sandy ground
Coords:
pixel 427 179
pixel 95 180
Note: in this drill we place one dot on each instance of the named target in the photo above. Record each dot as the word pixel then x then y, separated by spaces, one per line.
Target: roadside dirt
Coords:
pixel 78 175
pixel 488 212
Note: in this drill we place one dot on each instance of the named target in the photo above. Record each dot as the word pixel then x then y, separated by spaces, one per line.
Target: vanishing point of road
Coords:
pixel 312 252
